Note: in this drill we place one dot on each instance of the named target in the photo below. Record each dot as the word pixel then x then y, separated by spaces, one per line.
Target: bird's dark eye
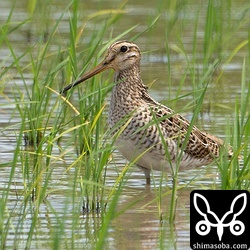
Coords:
pixel 124 48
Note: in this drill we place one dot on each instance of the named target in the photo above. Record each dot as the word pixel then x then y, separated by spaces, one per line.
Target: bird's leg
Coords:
pixel 146 171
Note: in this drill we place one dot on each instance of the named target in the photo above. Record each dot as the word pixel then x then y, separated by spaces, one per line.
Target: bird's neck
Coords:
pixel 128 94
pixel 129 88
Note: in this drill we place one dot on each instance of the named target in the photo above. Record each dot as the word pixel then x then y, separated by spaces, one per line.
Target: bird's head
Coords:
pixel 120 56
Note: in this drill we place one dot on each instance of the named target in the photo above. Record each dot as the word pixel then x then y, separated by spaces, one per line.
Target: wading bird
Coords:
pixel 150 134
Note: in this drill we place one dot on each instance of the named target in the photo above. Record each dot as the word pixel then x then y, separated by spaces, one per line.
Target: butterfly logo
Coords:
pixel 203 227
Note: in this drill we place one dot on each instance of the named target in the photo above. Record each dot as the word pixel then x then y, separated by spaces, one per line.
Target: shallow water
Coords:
pixel 137 226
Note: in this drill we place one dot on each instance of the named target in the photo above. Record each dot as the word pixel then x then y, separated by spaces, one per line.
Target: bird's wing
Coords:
pixel 175 126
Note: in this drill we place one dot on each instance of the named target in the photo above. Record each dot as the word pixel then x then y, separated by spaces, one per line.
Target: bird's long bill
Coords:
pixel 98 69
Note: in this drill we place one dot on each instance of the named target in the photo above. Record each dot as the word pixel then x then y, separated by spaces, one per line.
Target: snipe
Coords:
pixel 151 133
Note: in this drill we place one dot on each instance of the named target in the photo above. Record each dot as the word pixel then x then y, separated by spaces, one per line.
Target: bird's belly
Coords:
pixel 141 157
pixel 150 158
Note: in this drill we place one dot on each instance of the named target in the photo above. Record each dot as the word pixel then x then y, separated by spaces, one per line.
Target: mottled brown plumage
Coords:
pixel 143 123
